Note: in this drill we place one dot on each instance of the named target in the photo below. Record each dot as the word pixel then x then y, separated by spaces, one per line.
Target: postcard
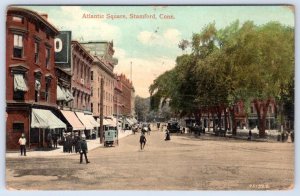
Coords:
pixel 150 97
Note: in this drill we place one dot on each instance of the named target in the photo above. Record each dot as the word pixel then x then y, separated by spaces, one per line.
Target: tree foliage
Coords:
pixel 241 62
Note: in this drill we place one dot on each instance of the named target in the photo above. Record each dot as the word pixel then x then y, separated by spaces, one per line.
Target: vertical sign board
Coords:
pixel 62 43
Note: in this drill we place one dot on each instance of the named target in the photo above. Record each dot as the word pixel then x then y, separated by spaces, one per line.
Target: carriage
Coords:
pixel 110 136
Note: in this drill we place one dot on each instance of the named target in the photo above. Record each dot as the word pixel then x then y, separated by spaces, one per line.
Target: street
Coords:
pixel 183 163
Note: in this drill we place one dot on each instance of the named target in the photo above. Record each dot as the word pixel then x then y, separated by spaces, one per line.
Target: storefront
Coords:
pixel 74 123
pixel 89 127
pixel 43 123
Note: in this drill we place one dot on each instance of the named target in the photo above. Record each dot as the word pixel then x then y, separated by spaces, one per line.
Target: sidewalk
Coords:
pixel 92 144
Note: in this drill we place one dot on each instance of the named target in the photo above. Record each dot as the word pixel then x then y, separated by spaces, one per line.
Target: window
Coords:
pixel 18 127
pixel 37 90
pixel 91 91
pixel 92 75
pixel 18 46
pixel 98 107
pixel 20 87
pixel 18 19
pixel 98 92
pixel 47 56
pixel 47 90
pixel 92 107
pixel 19 95
pixel 36 52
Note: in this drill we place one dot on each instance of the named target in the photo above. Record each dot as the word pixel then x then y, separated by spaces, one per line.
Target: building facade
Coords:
pixel 30 74
pixel 81 78
pixel 123 96
pixel 102 68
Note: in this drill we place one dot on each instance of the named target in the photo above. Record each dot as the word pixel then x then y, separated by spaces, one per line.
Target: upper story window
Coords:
pixel 92 75
pixel 47 90
pixel 18 19
pixel 36 52
pixel 37 90
pixel 20 87
pixel 47 57
pixel 18 46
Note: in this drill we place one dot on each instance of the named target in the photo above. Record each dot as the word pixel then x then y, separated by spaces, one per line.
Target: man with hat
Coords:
pixel 83 149
pixel 22 142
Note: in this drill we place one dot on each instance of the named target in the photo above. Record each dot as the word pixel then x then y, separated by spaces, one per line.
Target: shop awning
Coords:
pixel 134 120
pixel 60 95
pixel 41 118
pixel 92 120
pixel 19 83
pixel 73 120
pixel 68 95
pixel 84 120
pixel 127 120
pixel 105 121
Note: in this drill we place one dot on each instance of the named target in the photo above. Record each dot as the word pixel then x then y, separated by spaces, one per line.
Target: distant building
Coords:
pixel 102 68
pixel 123 96
pixel 30 78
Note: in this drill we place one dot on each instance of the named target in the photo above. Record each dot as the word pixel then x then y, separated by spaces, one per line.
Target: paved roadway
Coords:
pixel 184 163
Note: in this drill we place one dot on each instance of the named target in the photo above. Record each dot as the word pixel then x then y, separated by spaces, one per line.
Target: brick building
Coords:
pixel 123 96
pixel 102 68
pixel 30 75
pixel 81 78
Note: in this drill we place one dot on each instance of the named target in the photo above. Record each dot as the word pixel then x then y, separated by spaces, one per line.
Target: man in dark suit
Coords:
pixel 83 150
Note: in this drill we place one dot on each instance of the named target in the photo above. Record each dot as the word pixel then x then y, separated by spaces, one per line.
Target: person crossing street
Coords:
pixel 142 141
pixel 83 150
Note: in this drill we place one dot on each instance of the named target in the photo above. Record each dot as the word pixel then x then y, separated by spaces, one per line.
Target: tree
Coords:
pixel 245 63
pixel 142 107
pixel 183 44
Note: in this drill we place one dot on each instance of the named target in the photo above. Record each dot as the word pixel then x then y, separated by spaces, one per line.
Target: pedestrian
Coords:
pixel 73 141
pixel 142 141
pixel 83 149
pixel 289 138
pixel 77 143
pixel 292 136
pixel 49 140
pixel 54 140
pixel 22 142
pixel 250 135
pixel 167 135
pixel 282 136
pixel 64 142
pixel 149 129
pixel 69 143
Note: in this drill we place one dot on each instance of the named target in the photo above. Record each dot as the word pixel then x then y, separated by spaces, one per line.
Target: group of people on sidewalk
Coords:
pixel 81 147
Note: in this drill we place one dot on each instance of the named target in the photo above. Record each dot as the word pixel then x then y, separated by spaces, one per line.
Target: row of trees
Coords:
pixel 241 62
pixel 144 113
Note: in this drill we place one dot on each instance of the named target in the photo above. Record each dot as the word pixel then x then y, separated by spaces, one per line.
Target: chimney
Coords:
pixel 45 16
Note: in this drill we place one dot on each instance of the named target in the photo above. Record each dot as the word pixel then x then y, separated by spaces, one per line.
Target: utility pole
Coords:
pixel 101 109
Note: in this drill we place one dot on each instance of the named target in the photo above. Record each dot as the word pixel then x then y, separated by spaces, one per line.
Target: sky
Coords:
pixel 151 45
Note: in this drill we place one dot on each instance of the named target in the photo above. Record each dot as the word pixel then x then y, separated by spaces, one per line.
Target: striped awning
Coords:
pixel 19 83
pixel 41 118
